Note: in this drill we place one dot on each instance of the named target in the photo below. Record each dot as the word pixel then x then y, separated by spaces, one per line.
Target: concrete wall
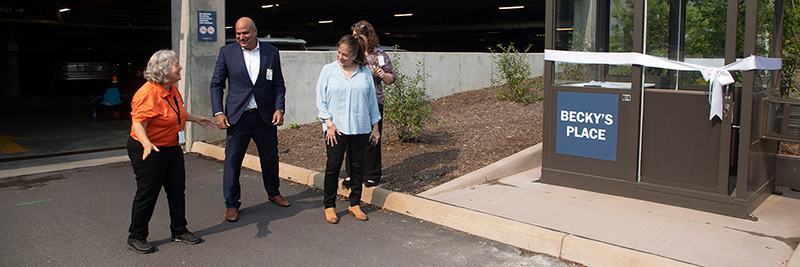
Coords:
pixel 449 73
pixel 197 59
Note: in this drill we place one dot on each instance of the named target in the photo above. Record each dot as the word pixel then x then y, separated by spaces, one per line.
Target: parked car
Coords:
pixel 286 43
pixel 79 77
pixel 334 48
pixel 77 71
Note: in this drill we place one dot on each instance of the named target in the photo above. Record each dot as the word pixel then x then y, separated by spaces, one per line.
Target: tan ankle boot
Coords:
pixel 356 211
pixel 330 215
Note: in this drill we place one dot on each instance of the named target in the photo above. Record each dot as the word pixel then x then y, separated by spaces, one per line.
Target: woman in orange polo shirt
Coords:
pixel 158 120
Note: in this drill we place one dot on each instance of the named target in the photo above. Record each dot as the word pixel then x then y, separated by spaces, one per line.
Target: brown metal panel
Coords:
pixel 590 182
pixel 670 174
pixel 710 202
pixel 748 82
pixel 763 155
pixel 699 200
pixel 549 43
pixel 777 40
pixel 730 31
pixel 637 79
pixel 680 146
pixel 621 169
pixel 787 113
pixel 725 149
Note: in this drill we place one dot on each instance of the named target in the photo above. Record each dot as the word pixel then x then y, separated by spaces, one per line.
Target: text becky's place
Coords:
pixel 587 118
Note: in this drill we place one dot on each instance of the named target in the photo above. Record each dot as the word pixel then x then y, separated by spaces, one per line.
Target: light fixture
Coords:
pixel 387 33
pixel 269 6
pixel 325 21
pixel 510 7
pixel 564 29
pixel 404 15
pixel 64 10
pixel 228 27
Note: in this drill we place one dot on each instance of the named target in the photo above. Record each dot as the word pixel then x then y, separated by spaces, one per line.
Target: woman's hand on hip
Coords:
pixel 149 147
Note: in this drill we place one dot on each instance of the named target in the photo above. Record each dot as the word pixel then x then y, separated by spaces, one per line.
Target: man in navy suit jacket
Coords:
pixel 253 109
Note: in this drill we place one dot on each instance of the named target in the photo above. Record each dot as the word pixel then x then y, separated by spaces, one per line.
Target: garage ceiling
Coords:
pixel 434 26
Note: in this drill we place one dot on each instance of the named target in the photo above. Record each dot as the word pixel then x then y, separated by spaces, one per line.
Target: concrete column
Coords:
pixel 9 61
pixel 197 59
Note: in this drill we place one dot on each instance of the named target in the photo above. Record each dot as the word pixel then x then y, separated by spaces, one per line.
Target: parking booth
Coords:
pixel 671 101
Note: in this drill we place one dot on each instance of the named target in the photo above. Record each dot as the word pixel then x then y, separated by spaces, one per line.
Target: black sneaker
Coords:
pixel 140 246
pixel 346 183
pixel 187 238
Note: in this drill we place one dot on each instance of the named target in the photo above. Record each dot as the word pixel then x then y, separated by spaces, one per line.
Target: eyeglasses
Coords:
pixel 360 26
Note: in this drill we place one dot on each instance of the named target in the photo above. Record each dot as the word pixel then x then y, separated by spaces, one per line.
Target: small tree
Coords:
pixel 514 71
pixel 407 106
pixel 791 50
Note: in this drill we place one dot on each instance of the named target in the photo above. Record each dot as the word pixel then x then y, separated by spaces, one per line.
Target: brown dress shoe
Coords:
pixel 232 214
pixel 356 211
pixel 330 216
pixel 280 200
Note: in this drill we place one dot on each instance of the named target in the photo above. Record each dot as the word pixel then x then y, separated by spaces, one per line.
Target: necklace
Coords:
pixel 348 73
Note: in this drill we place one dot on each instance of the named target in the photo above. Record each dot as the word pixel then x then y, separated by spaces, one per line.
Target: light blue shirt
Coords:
pixel 351 105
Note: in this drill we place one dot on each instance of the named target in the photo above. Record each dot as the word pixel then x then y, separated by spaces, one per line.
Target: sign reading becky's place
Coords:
pixel 587 125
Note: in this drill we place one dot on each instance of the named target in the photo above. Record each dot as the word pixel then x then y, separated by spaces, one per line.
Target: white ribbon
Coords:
pixel 718 77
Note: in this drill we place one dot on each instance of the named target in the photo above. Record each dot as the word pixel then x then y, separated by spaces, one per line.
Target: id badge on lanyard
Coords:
pixel 181 133
pixel 181 138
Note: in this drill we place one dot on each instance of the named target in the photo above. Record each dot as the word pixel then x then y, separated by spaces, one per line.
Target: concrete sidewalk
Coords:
pixel 504 202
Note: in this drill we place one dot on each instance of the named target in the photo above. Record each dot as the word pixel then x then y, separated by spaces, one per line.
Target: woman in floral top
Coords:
pixel 382 73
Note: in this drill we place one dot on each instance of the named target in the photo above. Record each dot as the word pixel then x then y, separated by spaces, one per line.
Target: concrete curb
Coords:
pixel 61 166
pixel 524 160
pixel 522 235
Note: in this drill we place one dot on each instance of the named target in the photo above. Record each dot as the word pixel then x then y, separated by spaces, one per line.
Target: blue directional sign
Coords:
pixel 587 125
pixel 206 26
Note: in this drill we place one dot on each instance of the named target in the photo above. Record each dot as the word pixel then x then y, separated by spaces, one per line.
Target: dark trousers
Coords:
pixel 371 168
pixel 250 126
pixel 354 145
pixel 160 169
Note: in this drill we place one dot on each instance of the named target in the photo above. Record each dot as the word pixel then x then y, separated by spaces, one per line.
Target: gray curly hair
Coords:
pixel 158 66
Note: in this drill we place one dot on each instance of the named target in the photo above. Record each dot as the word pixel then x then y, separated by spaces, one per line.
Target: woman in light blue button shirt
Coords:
pixel 348 107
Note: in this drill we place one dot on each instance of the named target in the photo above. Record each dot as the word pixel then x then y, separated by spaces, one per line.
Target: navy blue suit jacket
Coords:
pixel 270 95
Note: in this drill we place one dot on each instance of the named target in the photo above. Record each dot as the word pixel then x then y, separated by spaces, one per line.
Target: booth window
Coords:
pixel 593 26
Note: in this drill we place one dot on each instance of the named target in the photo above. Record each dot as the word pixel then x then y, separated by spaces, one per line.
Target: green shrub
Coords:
pixel 407 107
pixel 294 125
pixel 513 71
pixel 791 51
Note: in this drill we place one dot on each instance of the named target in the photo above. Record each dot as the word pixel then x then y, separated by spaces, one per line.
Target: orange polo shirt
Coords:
pixel 155 106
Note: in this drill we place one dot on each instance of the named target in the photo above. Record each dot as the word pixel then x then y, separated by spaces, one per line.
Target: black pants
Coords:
pixel 160 169
pixel 354 145
pixel 371 169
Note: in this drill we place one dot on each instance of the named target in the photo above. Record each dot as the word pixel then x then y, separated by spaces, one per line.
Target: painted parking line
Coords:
pixel 7 146
pixel 32 202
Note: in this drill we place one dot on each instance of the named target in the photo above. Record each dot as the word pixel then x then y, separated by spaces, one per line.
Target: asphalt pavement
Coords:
pixel 79 217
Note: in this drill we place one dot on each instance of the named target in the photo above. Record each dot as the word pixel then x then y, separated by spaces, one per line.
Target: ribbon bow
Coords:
pixel 718 77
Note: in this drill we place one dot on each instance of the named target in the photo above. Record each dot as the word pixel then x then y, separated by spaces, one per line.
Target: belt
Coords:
pixel 251 110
